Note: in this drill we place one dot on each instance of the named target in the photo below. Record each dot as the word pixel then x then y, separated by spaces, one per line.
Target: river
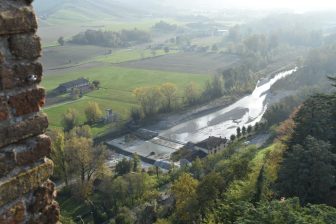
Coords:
pixel 223 123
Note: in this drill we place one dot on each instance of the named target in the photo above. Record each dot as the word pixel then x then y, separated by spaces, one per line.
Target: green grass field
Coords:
pixel 130 55
pixel 116 93
pixel 71 54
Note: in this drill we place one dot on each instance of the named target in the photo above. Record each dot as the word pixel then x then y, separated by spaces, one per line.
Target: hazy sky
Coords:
pixel 296 4
pixel 262 4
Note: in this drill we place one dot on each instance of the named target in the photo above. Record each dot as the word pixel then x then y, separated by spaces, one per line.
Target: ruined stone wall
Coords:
pixel 26 194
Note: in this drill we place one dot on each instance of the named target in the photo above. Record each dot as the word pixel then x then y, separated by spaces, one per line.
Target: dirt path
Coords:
pixel 78 67
pixel 62 104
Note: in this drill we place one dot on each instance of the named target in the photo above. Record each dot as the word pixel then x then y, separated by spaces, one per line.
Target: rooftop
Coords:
pixel 212 142
pixel 74 82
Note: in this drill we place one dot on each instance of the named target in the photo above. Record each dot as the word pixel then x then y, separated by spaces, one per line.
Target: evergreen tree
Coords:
pixel 308 172
pixel 244 130
pixel 238 132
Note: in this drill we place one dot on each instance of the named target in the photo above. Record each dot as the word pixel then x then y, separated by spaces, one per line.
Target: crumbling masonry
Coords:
pixel 26 194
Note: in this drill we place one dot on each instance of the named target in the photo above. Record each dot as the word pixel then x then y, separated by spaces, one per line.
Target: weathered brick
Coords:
pixel 4 113
pixel 36 149
pixel 20 75
pixel 16 214
pixel 15 187
pixel 25 196
pixel 2 57
pixel 27 102
pixel 6 164
pixel 43 197
pixel 27 128
pixel 50 214
pixel 25 46
pixel 24 153
pixel 17 20
pixel 6 77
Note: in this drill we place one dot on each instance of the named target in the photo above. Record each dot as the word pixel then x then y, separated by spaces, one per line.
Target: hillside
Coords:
pixel 87 10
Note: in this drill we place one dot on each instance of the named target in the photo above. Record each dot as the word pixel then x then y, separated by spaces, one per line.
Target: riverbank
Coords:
pixel 166 121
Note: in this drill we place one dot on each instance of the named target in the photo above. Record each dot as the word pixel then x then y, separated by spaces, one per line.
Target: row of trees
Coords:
pixel 163 26
pixel 71 117
pixel 123 38
pixel 241 132
pixel 165 98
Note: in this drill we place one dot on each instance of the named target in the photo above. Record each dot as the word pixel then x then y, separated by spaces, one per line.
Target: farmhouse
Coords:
pixel 80 83
pixel 212 145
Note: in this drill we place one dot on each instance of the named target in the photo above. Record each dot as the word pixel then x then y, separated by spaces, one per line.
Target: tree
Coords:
pixel 136 114
pixel 238 132
pixel 214 48
pixel 307 171
pixel 87 160
pixel 244 130
pixel 123 167
pixel 82 131
pixel 249 129
pixel 93 112
pixel 169 93
pixel 125 216
pixel 259 186
pixel 162 221
pixel 59 155
pixel 217 86
pixel 70 119
pixel 257 126
pixel 208 191
pixel 214 89
pixel 316 117
pixel 96 84
pixel 129 190
pixel 184 191
pixel 197 168
pixel 61 41
pixel 191 93
pixel 111 39
pixel 166 50
pixel 234 34
pixel 149 99
pixel 232 137
pixel 136 162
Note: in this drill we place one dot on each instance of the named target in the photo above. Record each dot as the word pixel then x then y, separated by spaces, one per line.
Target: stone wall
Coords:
pixel 26 194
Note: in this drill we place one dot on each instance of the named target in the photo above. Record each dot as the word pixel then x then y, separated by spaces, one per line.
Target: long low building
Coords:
pixel 69 86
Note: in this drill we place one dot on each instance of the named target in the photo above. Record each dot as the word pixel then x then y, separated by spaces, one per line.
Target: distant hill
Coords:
pixel 82 10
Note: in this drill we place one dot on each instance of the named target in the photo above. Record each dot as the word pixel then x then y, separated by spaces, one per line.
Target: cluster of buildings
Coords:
pixel 209 146
pixel 83 85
